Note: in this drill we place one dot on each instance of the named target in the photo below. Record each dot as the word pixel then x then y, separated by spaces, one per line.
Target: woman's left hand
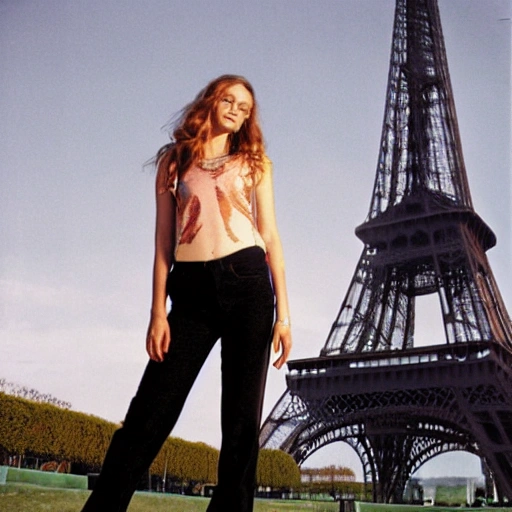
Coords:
pixel 282 343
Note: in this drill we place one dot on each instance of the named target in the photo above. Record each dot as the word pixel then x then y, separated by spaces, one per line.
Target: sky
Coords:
pixel 87 89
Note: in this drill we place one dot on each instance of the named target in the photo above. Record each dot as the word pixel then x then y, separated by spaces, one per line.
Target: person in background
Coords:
pixel 219 259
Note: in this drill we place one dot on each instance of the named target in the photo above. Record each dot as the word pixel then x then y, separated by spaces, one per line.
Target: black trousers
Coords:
pixel 232 299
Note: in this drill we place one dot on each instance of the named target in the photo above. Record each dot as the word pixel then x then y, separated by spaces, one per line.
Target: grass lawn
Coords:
pixel 382 507
pixel 31 498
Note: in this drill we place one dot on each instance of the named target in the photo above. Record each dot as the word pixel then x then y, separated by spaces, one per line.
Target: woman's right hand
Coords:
pixel 158 338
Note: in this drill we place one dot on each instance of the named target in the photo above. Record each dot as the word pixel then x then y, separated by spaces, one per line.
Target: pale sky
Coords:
pixel 86 87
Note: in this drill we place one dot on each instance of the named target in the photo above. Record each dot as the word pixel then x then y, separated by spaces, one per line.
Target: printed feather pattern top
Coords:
pixel 214 209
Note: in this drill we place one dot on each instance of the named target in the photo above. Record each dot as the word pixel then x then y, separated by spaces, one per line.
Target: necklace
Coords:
pixel 212 164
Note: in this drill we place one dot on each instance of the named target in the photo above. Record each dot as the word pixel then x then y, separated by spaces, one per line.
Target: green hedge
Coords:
pixel 182 460
pixel 53 433
pixel 50 432
pixel 278 470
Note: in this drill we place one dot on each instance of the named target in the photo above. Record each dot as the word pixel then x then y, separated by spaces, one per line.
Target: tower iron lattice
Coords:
pixel 396 404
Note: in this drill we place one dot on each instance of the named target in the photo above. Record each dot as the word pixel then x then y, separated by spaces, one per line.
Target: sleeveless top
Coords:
pixel 215 211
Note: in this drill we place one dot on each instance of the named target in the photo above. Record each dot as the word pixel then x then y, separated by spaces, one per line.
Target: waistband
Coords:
pixel 254 251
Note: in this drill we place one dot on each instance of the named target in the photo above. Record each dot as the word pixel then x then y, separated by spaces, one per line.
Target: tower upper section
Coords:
pixel 420 145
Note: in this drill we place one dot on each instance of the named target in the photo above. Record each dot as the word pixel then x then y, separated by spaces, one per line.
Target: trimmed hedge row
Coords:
pixel 278 470
pixel 184 461
pixel 52 433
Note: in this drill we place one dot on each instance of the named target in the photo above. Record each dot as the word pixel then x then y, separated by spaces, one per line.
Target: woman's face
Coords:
pixel 233 108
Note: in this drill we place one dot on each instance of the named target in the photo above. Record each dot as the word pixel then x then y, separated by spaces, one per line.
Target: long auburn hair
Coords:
pixel 193 126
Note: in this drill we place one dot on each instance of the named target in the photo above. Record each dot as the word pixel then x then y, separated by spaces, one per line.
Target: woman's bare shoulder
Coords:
pixel 166 175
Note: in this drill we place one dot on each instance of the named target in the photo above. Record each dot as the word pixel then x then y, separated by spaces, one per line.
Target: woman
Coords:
pixel 216 241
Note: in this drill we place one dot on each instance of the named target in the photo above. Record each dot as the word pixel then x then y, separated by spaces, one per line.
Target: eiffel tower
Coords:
pixel 396 404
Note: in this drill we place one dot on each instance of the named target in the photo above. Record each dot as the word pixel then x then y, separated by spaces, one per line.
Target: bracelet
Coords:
pixel 285 321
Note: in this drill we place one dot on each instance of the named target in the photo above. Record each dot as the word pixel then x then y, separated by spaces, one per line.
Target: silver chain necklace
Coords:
pixel 212 164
